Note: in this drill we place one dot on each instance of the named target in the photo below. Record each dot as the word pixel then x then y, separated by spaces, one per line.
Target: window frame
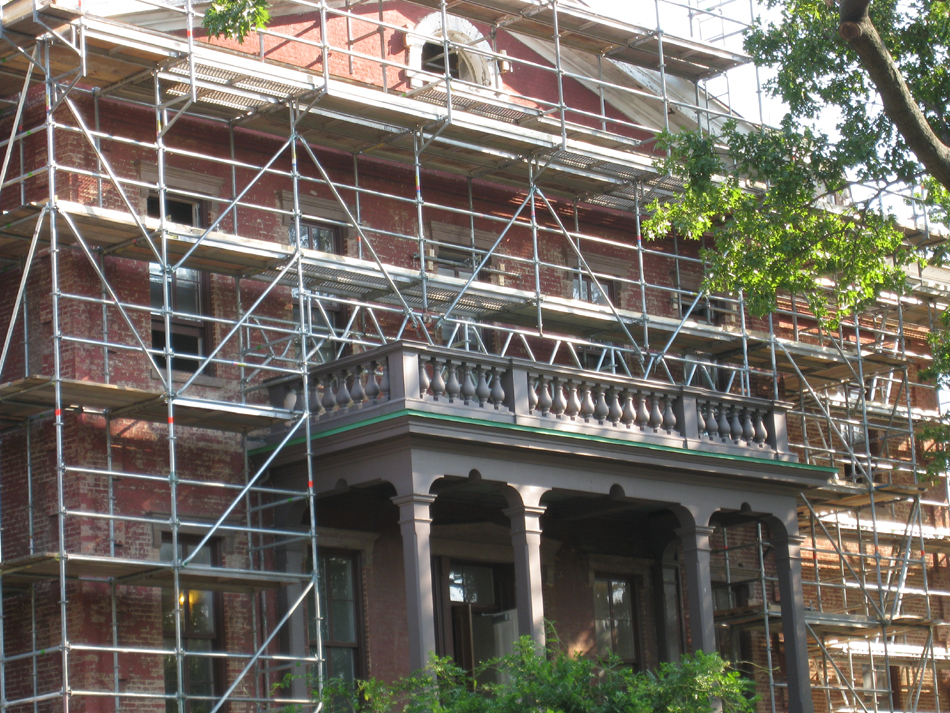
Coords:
pixel 358 645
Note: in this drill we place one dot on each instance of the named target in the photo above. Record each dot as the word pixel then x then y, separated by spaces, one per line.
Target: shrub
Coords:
pixel 551 681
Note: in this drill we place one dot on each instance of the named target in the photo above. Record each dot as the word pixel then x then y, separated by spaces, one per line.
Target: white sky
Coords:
pixel 737 88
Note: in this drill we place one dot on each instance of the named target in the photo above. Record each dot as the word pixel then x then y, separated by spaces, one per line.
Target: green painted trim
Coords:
pixel 531 429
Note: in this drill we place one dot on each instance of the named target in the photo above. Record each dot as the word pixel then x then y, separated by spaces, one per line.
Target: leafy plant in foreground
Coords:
pixel 550 681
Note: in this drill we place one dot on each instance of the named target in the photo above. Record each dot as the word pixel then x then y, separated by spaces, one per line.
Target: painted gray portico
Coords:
pixel 414 443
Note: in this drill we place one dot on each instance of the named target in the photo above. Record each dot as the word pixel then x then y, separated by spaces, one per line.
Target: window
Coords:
pixel 433 60
pixel 427 56
pixel 340 607
pixel 615 619
pixel 317 237
pixel 472 584
pixel 187 296
pixel 199 633
pixel 586 290
pixel 462 335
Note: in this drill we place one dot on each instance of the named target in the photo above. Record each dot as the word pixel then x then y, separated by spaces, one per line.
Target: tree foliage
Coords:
pixel 816 68
pixel 765 200
pixel 536 681
pixel 236 19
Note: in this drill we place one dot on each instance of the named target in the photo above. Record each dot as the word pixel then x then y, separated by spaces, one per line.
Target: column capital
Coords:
pixel 695 536
pixel 418 498
pixel 524 518
pixel 414 507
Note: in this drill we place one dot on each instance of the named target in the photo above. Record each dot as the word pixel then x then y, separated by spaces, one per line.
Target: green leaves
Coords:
pixel 817 73
pixel 535 681
pixel 236 19
pixel 767 203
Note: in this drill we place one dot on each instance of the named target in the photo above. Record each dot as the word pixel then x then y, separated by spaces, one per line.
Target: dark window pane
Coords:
pixel 342 663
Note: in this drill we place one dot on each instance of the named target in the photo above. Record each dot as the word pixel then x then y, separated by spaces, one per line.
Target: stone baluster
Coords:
pixel 468 384
pixel 669 418
pixel 700 421
pixel 532 394
pixel 384 381
pixel 316 405
pixel 600 407
pixel 328 402
pixel 438 383
pixel 735 427
pixel 629 417
pixel 643 415
pixel 372 388
pixel 724 427
pixel 453 389
pixel 544 396
pixel 358 393
pixel 290 399
pixel 656 416
pixel 712 423
pixel 559 404
pixel 615 412
pixel 573 401
pixel 482 390
pixel 761 434
pixel 748 430
pixel 424 382
pixel 343 399
pixel 587 404
pixel 497 390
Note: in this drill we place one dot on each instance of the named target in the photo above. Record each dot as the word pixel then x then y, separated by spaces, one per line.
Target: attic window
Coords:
pixel 468 57
pixel 433 60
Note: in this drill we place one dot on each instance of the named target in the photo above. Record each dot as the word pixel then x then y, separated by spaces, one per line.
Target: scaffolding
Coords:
pixel 113 123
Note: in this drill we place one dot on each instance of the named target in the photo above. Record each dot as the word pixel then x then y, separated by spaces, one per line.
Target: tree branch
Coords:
pixel 858 31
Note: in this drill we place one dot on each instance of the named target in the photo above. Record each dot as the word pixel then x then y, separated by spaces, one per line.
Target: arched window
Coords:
pixel 428 58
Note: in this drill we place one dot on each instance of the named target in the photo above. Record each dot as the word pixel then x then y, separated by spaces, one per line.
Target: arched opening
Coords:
pixel 467 59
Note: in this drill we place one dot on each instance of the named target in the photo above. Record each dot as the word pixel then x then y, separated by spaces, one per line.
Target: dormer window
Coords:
pixel 469 58
pixel 433 60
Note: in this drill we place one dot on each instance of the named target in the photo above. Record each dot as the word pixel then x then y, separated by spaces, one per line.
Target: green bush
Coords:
pixel 551 681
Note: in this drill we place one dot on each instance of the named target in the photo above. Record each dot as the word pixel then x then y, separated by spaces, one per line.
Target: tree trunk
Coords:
pixel 858 31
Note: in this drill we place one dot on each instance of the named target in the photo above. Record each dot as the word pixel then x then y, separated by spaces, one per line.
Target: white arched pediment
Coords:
pixel 474 66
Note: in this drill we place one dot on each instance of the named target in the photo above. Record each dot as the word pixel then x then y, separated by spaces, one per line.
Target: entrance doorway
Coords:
pixel 479 621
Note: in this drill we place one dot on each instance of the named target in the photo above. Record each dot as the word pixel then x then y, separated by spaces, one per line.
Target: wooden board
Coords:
pixel 34 395
pixel 22 572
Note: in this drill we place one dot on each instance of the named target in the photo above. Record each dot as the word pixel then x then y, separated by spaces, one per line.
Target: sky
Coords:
pixel 675 17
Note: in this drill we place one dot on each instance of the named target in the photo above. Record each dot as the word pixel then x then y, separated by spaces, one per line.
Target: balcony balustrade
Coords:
pixel 410 377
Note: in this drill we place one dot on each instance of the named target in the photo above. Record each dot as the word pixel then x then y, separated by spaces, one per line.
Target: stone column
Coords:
pixel 526 541
pixel 788 563
pixel 415 523
pixel 699 586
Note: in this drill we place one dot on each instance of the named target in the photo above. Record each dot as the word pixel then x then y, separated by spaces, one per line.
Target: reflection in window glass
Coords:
pixel 472 584
pixel 614 619
pixel 316 237
pixel 198 633
pixel 586 290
